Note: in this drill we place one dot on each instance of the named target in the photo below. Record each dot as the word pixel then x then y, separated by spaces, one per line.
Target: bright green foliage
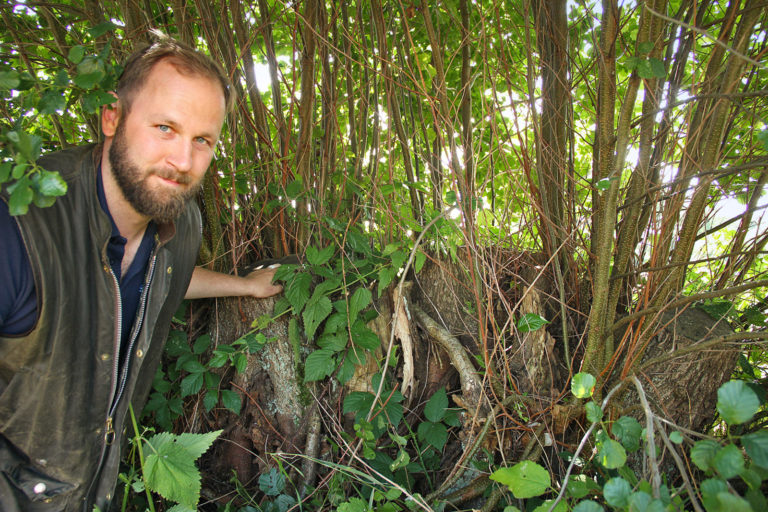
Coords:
pixel 525 479
pixel 583 385
pixel 169 468
pixel 736 402
pixel 531 322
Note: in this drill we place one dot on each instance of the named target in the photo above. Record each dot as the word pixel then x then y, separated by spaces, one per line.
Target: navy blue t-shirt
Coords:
pixel 18 297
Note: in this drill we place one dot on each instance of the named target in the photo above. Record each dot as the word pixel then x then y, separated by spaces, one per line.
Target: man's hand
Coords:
pixel 207 284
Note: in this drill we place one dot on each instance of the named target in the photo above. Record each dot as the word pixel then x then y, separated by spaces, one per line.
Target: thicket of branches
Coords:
pixel 600 165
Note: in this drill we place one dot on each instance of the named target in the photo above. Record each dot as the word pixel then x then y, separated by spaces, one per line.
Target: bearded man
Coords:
pixel 89 285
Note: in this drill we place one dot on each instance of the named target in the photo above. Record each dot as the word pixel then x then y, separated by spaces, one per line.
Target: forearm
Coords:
pixel 208 283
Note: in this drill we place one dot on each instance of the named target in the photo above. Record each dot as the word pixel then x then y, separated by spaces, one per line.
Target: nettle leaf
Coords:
pixel 611 454
pixel 729 461
pixel 531 322
pixel 703 453
pixel 525 479
pixel 197 444
pixel 360 300
pixel 319 364
pixel 170 470
pixel 736 402
pixel 616 492
pixel 583 385
pixel 436 406
pixel 756 446
pixel 314 313
pixel 435 434
pixel 297 291
pixel 319 257
pixel 335 342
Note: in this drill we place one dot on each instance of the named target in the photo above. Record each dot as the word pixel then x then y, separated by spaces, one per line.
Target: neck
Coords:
pixel 129 222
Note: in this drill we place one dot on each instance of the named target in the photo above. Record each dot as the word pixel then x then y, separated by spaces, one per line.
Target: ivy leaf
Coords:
pixel 531 322
pixel 756 445
pixel 616 492
pixel 525 479
pixel 736 402
pixel 583 385
pixel 611 454
pixel 170 471
pixel 436 406
pixel 319 364
pixel 435 434
pixel 315 312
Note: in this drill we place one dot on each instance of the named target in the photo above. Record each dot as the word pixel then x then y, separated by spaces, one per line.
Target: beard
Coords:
pixel 161 205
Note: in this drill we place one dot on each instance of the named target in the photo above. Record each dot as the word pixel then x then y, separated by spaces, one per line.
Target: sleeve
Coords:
pixel 18 298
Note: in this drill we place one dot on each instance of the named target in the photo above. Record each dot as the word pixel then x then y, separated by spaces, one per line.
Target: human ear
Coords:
pixel 110 117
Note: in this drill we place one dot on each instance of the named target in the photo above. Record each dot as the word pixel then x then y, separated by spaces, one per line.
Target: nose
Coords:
pixel 180 155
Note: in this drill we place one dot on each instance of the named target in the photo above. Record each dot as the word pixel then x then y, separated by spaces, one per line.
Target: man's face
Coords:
pixel 163 145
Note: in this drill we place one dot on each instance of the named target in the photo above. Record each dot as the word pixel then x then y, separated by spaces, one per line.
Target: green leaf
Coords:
pixel 76 54
pixel 52 184
pixel 319 257
pixel 531 322
pixel 335 342
pixel 170 471
pixel 583 385
pixel 435 434
pixel 562 506
pixel 736 402
pixel 9 79
pixel 611 454
pixel 580 486
pixel 594 412
pixel 360 299
pixel 51 102
pixel 210 400
pixel 436 406
pixel 191 384
pixel 616 492
pixel 703 453
pixel 201 345
pixel 29 145
pixel 588 506
pixel 240 362
pixel 315 312
pixel 525 479
pixel 272 483
pixel 710 488
pixel 353 505
pixel 729 461
pixel 756 446
pixel 645 47
pixel 732 503
pixel 657 68
pixel 346 370
pixel 402 460
pixel 763 138
pixel 319 364
pixel 297 291
pixel 5 171
pixel 231 400
pixel 386 275
pixel 628 431
pixel 101 29
pixel 418 261
pixel 363 337
pixel 22 195
pixel 197 444
pixel 676 437
pixel 358 402
pixel 292 190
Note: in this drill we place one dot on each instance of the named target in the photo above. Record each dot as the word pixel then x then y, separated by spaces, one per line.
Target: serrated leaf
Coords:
pixel 657 68
pixel 703 453
pixel 418 261
pixel 314 313
pixel 272 483
pixel 583 385
pixel 210 400
pixel 611 454
pixel 756 446
pixel 231 400
pixel 359 300
pixel 335 342
pixel 525 479
pixel 531 322
pixel 729 461
pixel 297 291
pixel 363 337
pixel 594 412
pixel 240 362
pixel 386 275
pixel 191 384
pixel 346 370
pixel 201 345
pixel 736 402
pixel 319 364
pixel 436 406
pixel 358 402
pixel 435 434
pixel 319 257
pixel 171 472
pixel 616 492
pixel 197 444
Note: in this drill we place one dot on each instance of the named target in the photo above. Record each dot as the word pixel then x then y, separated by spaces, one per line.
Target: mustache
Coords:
pixel 168 174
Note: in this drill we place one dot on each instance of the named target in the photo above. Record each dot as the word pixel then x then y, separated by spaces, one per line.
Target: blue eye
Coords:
pixel 164 128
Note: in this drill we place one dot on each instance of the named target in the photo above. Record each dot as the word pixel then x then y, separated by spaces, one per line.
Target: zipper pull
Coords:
pixel 109 432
